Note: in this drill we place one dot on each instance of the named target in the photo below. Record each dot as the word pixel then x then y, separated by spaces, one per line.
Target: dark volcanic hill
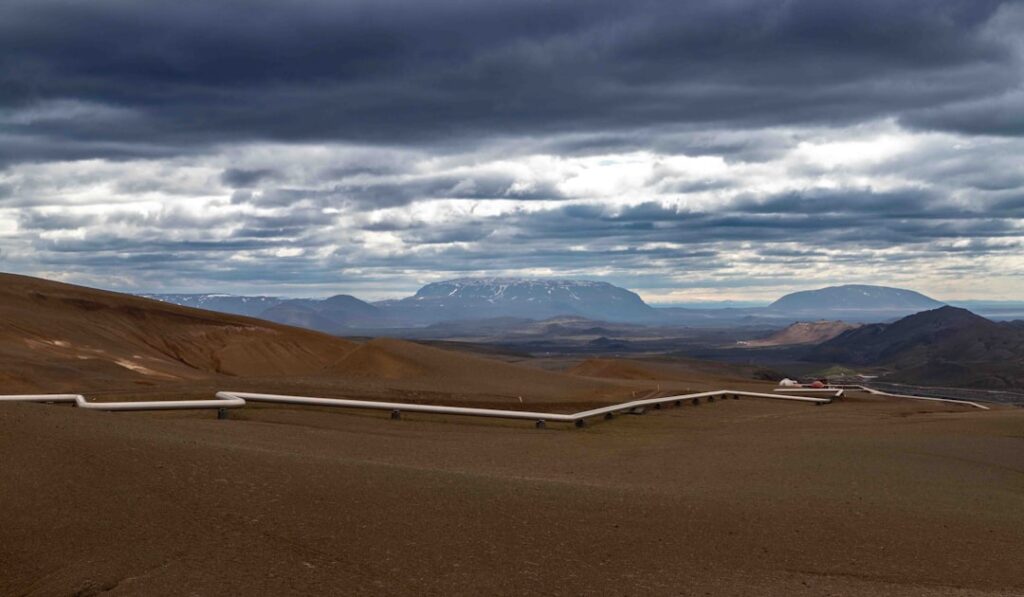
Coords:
pixel 944 346
pixel 484 298
pixel 856 297
pixel 332 314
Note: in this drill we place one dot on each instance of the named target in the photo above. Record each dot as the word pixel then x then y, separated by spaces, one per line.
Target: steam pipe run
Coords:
pixel 881 393
pixel 81 402
pixel 228 399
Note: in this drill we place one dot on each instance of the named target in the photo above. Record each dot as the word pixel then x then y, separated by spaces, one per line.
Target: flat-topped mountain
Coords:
pixel 856 297
pixel 483 298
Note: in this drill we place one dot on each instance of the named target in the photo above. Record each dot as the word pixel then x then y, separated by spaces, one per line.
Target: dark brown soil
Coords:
pixel 751 497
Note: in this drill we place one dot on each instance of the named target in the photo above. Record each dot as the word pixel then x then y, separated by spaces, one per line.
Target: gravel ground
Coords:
pixel 866 496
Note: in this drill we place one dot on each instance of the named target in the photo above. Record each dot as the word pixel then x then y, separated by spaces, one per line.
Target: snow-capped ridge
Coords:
pixel 535 298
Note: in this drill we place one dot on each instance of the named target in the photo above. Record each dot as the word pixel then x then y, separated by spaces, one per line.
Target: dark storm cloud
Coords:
pixel 913 204
pixel 197 142
pixel 242 178
pixel 385 194
pixel 170 233
pixel 1000 115
pixel 1012 206
pixel 190 74
pixel 836 220
pixel 381 193
pixel 35 221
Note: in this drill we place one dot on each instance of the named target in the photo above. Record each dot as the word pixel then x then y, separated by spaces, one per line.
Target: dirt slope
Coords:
pixel 408 364
pixel 803 332
pixel 675 373
pixel 55 335
pixel 61 338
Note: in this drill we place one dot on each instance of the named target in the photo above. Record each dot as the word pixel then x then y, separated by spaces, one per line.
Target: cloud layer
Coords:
pixel 690 150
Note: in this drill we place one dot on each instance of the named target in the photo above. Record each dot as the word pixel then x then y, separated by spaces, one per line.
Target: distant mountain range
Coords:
pixel 465 299
pixel 478 299
pixel 250 306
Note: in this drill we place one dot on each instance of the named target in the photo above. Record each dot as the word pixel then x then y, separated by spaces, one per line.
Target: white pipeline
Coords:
pixel 238 399
pixel 881 393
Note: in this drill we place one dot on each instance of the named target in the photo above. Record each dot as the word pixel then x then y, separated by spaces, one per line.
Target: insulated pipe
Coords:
pixel 637 403
pixel 391 406
pixel 81 402
pixel 953 400
pixel 881 393
pixel 501 414
pixel 239 399
pixel 834 391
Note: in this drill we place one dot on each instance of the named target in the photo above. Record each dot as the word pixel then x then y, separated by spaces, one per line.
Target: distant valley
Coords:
pixel 904 335
pixel 94 338
pixel 479 299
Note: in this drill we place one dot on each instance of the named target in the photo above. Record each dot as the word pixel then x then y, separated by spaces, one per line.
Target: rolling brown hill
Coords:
pixel 802 332
pixel 400 363
pixel 59 336
pixel 676 373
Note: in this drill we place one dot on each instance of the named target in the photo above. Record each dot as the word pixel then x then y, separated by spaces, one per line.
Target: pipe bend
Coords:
pixel 232 399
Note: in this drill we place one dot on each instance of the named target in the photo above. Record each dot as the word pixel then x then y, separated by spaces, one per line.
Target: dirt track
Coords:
pixel 747 497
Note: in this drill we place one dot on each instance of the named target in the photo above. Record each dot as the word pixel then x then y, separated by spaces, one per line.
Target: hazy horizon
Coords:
pixel 694 303
pixel 701 297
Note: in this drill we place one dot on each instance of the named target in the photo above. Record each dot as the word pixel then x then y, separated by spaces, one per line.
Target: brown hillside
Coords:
pixel 674 373
pixel 617 369
pixel 401 363
pixel 804 332
pixel 59 336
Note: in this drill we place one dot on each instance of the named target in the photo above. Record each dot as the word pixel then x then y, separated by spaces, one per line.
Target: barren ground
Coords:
pixel 868 496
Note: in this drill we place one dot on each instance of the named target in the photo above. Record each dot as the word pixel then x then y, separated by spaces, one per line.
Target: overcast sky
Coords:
pixel 689 150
